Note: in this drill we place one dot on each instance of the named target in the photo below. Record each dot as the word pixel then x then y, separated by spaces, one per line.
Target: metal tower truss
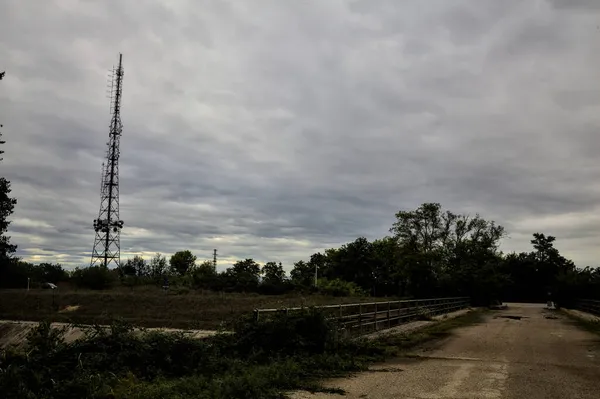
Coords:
pixel 108 225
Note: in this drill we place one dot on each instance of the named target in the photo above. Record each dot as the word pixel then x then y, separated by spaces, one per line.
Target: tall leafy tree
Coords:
pixel 136 266
pixel 181 262
pixel 53 273
pixel 158 266
pixel 388 271
pixel 445 249
pixel 352 262
pixel 206 268
pixel 244 274
pixel 544 247
pixel 273 273
pixel 205 275
pixel 7 205
pixel 303 274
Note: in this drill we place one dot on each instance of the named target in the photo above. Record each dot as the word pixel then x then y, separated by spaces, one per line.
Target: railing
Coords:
pixel 588 305
pixel 362 318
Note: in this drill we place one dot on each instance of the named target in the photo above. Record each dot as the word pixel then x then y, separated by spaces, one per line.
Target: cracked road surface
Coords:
pixel 533 354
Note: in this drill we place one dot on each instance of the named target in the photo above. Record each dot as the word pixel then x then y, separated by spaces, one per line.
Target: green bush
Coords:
pixel 337 287
pixel 94 277
pixel 307 331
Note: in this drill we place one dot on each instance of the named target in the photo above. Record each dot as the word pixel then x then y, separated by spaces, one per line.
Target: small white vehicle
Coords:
pixel 49 285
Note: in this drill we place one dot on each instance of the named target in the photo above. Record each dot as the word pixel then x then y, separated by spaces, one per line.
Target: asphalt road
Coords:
pixel 534 357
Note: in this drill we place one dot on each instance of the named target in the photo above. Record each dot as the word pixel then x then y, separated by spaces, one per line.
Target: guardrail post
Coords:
pixel 360 329
pixel 376 318
pixel 388 315
pixel 256 313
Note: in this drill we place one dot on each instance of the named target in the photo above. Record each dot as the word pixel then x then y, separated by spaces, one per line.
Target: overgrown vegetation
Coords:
pixel 261 359
pixel 591 325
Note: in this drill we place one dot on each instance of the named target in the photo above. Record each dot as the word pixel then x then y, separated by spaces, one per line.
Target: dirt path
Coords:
pixel 537 354
pixel 14 333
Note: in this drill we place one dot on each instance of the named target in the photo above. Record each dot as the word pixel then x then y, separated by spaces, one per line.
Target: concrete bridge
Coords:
pixel 523 352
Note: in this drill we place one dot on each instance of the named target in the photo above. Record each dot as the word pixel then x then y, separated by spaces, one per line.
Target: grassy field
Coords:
pixel 149 306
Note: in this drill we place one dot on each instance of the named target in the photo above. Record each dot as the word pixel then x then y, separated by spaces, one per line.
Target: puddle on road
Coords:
pixel 511 317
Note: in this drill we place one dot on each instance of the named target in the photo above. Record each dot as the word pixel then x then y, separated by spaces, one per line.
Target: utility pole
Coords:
pixel 107 245
pixel 215 259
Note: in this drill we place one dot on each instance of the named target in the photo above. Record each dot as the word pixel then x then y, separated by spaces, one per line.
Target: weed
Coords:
pixel 422 313
pixel 591 325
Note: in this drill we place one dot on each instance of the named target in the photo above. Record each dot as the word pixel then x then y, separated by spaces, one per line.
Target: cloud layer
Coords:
pixel 275 129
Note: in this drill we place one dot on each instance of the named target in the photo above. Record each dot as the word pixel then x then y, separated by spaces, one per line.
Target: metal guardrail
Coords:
pixel 362 318
pixel 588 305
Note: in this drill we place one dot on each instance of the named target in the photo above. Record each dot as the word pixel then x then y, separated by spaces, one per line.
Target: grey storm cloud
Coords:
pixel 275 129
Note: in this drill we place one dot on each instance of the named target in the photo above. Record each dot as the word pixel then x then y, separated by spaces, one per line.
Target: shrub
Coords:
pixel 94 277
pixel 258 360
pixel 337 287
pixel 307 331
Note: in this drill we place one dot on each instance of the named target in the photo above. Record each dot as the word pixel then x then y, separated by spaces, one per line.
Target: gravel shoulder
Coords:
pixel 416 325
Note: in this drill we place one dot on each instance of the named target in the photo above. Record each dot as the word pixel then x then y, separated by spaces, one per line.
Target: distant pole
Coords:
pixel 27 284
pixel 315 274
pixel 215 259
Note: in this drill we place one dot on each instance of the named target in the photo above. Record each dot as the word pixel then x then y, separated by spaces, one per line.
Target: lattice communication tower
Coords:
pixel 107 246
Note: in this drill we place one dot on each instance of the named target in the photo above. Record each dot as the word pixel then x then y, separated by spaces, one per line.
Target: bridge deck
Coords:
pixel 542 354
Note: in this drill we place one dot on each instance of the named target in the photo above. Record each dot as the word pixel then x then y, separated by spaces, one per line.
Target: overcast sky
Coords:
pixel 273 129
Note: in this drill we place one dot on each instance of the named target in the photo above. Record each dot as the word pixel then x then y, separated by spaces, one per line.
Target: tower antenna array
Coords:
pixel 107 246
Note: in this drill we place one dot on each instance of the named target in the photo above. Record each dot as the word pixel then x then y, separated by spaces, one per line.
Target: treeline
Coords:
pixel 430 252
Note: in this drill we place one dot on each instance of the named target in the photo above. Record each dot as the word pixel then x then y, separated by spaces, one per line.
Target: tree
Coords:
pixel 273 273
pixel 274 280
pixel 182 262
pixel 444 248
pixel 388 271
pixel 93 277
pixel 245 274
pixel 551 267
pixel 544 247
pixel 137 266
pixel 303 274
pixel 205 275
pixel 53 273
pixel 158 267
pixel 352 262
pixel 7 205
